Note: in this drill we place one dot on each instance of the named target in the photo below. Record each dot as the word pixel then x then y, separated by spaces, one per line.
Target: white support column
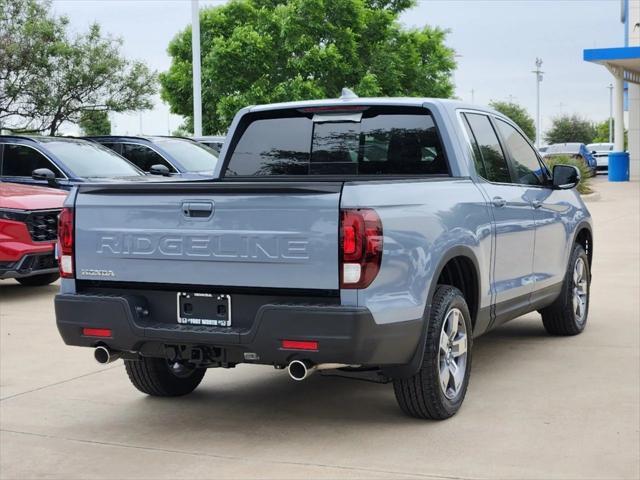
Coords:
pixel 634 130
pixel 618 112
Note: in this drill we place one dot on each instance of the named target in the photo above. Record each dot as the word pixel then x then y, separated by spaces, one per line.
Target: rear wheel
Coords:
pixel 568 314
pixel 39 280
pixel 438 389
pixel 161 378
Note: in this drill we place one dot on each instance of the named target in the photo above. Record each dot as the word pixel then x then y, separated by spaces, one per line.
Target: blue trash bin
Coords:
pixel 618 166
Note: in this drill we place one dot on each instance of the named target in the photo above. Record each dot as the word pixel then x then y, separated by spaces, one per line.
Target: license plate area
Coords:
pixel 206 309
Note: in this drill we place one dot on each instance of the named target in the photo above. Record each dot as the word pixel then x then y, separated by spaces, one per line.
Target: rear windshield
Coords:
pixel 193 156
pixel 371 142
pixel 90 160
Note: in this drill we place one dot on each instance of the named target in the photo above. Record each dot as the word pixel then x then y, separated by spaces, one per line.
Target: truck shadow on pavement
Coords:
pixel 270 399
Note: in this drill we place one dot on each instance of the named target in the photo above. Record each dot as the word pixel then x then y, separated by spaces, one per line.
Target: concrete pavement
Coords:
pixel 537 406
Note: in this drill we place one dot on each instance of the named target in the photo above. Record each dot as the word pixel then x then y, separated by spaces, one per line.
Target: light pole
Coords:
pixel 610 87
pixel 195 56
pixel 538 73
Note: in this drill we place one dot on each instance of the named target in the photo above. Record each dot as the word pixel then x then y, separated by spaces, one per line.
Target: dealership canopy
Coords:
pixel 624 65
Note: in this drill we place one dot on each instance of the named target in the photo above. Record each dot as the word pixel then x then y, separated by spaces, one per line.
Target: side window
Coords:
pixel 116 147
pixel 143 157
pixel 21 161
pixel 525 161
pixel 495 164
pixel 477 156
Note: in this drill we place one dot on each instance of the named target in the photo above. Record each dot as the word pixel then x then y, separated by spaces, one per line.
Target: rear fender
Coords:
pixel 411 368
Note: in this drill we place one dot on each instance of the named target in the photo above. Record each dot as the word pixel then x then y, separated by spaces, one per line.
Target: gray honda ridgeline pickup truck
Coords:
pixel 374 237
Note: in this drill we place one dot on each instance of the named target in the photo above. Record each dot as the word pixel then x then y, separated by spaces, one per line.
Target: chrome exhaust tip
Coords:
pixel 103 355
pixel 300 369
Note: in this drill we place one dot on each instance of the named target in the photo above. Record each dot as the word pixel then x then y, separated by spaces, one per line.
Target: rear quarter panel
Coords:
pixel 422 221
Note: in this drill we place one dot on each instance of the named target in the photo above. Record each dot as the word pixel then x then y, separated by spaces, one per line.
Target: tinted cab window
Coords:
pixel 22 160
pixel 494 162
pixel 527 168
pixel 376 141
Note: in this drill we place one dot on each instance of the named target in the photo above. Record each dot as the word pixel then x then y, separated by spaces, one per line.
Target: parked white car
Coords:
pixel 601 152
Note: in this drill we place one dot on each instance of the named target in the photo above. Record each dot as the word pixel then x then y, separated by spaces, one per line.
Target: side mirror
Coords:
pixel 159 169
pixel 45 174
pixel 565 177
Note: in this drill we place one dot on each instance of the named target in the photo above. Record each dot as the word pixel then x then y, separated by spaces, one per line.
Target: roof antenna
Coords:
pixel 347 93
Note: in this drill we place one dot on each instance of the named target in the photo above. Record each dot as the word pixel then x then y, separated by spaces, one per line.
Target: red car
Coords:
pixel 28 233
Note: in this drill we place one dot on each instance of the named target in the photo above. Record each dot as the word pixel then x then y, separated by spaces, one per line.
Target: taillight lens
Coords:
pixel 360 247
pixel 65 242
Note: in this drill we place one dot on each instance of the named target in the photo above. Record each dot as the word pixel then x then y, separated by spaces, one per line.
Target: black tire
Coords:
pixel 560 318
pixel 154 376
pixel 39 280
pixel 422 396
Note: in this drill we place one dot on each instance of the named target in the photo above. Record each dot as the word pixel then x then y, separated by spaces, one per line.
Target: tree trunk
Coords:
pixel 53 129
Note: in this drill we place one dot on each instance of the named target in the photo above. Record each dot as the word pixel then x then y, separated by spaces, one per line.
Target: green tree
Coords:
pixel 259 51
pixel 518 114
pixel 28 39
pixel 51 76
pixel 602 133
pixel 570 128
pixel 95 122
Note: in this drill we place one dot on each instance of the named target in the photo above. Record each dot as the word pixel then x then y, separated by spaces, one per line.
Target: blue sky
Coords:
pixel 498 42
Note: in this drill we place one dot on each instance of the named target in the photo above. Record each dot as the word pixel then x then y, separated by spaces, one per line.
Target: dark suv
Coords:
pixel 60 162
pixel 163 155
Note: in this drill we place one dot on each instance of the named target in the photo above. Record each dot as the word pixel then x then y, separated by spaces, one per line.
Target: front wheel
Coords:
pixel 438 389
pixel 160 378
pixel 568 314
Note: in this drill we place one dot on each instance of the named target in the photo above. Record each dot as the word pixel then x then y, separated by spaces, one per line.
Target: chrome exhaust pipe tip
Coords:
pixel 300 370
pixel 103 355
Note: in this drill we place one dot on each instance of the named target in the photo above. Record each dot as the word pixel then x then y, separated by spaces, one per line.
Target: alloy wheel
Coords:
pixel 580 290
pixel 452 354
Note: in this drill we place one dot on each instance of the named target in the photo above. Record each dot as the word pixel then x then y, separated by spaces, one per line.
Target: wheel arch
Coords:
pixel 459 259
pixel 584 236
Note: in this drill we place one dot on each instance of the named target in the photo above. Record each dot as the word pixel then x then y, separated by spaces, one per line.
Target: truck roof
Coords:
pixel 378 101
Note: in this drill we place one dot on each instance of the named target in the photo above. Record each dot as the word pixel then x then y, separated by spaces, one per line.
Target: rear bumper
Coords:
pixel 29 265
pixel 346 335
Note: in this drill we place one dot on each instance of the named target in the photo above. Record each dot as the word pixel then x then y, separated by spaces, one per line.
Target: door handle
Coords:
pixel 197 209
pixel 536 203
pixel 498 202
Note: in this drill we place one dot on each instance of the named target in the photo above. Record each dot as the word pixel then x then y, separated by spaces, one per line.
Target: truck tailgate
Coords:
pixel 250 234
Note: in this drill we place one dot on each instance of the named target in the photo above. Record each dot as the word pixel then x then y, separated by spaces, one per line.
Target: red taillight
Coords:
pixel 96 332
pixel 299 345
pixel 65 242
pixel 349 240
pixel 361 247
